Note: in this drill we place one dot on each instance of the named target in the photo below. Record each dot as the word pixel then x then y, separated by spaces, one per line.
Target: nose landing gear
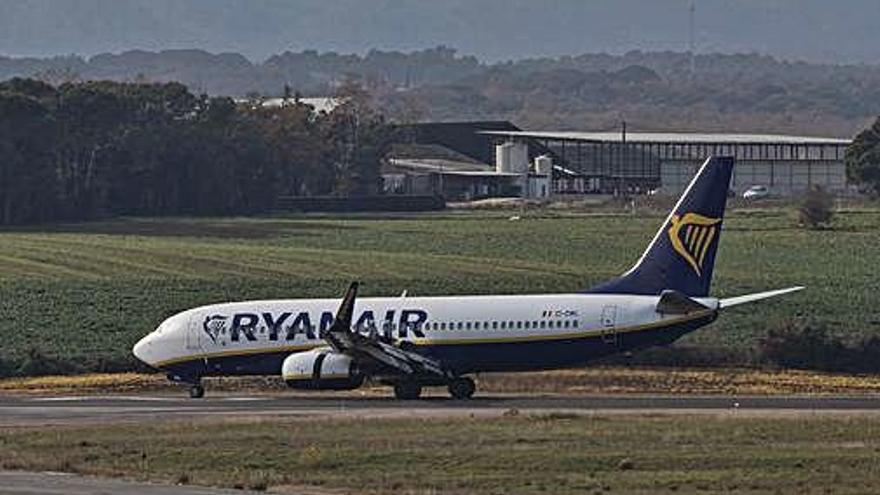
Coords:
pixel 196 390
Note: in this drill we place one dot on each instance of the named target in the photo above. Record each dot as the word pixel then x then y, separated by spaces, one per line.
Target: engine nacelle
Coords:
pixel 321 369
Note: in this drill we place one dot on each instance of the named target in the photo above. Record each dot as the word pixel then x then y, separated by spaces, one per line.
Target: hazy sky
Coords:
pixel 815 30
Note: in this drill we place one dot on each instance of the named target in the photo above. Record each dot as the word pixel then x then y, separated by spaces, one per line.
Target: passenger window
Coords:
pixel 467 325
pixel 443 326
pixel 527 324
pixel 494 325
pixel 503 325
pixel 575 323
pixel 460 326
pixel 485 325
pixel 519 324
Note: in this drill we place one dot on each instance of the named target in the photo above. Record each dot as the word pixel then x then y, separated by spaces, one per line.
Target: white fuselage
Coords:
pixel 248 330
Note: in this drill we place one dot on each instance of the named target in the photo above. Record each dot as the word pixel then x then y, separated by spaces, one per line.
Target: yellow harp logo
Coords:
pixel 691 235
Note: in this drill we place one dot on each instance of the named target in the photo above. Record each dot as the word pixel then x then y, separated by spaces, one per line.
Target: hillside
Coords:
pixel 650 90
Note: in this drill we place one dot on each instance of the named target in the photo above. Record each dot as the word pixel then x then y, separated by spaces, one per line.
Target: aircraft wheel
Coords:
pixel 196 392
pixel 407 390
pixel 462 388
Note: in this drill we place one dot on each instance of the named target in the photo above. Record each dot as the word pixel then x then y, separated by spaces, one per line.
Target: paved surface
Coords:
pixel 20 483
pixel 33 411
pixel 24 411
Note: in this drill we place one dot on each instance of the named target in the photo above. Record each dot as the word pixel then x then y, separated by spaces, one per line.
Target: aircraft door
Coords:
pixel 609 324
pixel 196 341
pixel 193 337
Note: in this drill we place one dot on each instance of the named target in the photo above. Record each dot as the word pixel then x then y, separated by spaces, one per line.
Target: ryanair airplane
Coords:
pixel 413 342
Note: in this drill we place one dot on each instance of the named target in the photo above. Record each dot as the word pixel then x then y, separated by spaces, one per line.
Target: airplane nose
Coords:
pixel 141 350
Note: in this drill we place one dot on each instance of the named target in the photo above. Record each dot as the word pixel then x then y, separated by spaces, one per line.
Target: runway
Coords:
pixel 26 411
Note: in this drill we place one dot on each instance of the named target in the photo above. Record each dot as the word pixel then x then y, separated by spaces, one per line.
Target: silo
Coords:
pixel 512 158
pixel 503 155
pixel 544 165
pixel 519 159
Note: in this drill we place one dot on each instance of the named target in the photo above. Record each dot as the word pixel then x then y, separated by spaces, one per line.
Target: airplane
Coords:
pixel 415 342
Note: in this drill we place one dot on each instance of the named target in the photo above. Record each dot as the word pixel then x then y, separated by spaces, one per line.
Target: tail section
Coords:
pixel 681 257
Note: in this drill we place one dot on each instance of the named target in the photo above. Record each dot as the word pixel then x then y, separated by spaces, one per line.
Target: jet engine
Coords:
pixel 321 369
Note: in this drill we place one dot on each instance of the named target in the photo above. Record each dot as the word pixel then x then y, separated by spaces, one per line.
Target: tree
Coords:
pixel 816 208
pixel 26 173
pixel 99 148
pixel 359 138
pixel 863 158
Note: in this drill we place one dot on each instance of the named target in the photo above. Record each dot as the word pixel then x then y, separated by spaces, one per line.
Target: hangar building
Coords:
pixel 638 162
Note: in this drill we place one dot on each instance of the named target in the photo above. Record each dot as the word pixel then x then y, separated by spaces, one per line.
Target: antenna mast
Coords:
pixel 691 15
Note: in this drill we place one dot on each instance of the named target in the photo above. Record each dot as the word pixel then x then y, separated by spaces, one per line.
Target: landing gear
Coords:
pixel 462 388
pixel 407 390
pixel 196 391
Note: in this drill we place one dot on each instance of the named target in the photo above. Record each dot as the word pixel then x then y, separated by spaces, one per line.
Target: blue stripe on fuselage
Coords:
pixel 472 357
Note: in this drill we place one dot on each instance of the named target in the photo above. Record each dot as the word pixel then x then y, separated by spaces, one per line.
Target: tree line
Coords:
pixel 650 90
pixel 78 151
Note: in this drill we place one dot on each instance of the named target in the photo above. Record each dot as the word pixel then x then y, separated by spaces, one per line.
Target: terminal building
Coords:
pixel 475 160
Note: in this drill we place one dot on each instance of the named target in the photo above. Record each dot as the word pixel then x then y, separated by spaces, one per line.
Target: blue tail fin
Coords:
pixel 682 255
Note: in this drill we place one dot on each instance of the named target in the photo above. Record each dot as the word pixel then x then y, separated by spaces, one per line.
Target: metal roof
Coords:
pixel 671 137
pixel 449 167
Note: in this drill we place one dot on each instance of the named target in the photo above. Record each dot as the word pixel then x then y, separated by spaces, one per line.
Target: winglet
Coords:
pixel 736 301
pixel 342 320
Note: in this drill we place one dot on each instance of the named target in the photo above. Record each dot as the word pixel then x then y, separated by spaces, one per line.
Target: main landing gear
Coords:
pixel 196 391
pixel 407 390
pixel 460 388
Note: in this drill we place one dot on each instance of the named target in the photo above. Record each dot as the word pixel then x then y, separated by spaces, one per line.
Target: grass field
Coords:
pixel 556 453
pixel 87 292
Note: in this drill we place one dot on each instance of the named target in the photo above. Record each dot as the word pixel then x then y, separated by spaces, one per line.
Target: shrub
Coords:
pixel 866 357
pixel 5 369
pixel 803 347
pixel 806 347
pixel 36 363
pixel 680 355
pixel 815 210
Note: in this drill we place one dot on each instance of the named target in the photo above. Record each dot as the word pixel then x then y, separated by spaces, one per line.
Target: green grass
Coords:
pixel 87 292
pixel 558 453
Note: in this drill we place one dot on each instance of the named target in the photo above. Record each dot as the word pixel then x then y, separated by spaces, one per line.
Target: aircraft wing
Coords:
pixel 373 348
pixel 736 301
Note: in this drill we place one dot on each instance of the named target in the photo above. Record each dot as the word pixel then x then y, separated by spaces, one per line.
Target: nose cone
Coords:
pixel 142 350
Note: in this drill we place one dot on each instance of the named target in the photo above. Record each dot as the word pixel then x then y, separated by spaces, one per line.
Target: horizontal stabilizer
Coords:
pixel 673 302
pixel 736 301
